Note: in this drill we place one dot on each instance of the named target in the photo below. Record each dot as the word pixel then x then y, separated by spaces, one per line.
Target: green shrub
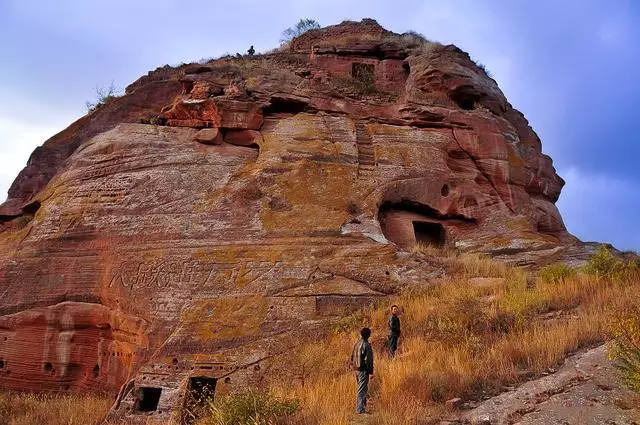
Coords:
pixel 300 28
pixel 104 95
pixel 604 264
pixel 556 273
pixel 248 408
pixel 350 322
pixel 523 304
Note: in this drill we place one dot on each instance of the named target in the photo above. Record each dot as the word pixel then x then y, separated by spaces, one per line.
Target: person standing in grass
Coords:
pixel 394 331
pixel 362 361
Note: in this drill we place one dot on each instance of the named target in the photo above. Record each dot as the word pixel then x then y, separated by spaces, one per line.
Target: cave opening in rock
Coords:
pixel 428 233
pixel 148 399
pixel 282 105
pixel 465 103
pixel 200 393
pixel 466 97
pixel 408 223
pixel 31 208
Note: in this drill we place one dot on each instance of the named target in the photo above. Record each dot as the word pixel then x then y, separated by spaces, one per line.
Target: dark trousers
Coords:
pixel 362 378
pixel 392 344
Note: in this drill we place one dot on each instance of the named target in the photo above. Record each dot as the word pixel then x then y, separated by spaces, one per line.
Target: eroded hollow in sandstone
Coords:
pixel 410 223
pixel 280 105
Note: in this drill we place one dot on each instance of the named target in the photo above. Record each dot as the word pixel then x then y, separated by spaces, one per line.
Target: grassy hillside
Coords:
pixel 470 336
pixel 482 329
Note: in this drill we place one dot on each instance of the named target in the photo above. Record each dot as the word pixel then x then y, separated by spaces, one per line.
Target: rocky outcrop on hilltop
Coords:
pixel 190 231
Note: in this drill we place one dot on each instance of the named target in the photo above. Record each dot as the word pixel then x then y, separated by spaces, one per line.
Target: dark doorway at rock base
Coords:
pixel 428 233
pixel 148 399
pixel 200 393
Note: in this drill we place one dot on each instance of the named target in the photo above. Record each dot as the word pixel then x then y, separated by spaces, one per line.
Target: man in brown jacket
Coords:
pixel 362 361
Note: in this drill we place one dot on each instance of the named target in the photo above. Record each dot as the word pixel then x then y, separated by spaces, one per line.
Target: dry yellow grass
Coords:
pixel 459 340
pixel 30 409
pixel 464 264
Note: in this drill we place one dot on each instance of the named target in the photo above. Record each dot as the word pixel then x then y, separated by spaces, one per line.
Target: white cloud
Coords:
pixel 17 140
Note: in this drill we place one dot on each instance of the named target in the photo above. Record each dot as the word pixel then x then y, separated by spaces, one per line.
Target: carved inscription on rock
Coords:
pixel 201 274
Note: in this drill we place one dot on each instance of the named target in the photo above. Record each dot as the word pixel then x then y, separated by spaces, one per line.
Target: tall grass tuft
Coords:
pixel 51 409
pixel 464 264
pixel 625 347
pixel 248 408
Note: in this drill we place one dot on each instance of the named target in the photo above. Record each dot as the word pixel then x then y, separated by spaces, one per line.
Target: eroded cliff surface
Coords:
pixel 198 225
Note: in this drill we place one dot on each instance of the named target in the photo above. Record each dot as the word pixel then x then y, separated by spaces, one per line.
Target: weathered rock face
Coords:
pixel 263 197
pixel 147 100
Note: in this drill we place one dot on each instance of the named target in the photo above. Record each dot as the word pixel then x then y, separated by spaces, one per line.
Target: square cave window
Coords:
pixel 199 391
pixel 148 398
pixel 362 72
pixel 429 233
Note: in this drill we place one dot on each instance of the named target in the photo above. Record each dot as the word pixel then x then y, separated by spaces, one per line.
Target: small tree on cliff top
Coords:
pixel 300 28
pixel 104 95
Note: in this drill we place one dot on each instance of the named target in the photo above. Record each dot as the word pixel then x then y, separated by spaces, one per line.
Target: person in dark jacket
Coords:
pixel 362 361
pixel 394 331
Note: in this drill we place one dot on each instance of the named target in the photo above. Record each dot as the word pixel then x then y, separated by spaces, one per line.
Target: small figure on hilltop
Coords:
pixel 394 331
pixel 251 50
pixel 362 361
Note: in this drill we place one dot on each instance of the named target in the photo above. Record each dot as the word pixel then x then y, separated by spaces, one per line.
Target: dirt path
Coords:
pixel 584 391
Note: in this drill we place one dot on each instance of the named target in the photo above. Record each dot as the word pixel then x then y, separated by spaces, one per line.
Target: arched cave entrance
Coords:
pixel 408 223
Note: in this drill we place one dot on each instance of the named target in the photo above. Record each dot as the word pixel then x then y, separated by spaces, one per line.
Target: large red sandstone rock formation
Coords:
pixel 196 225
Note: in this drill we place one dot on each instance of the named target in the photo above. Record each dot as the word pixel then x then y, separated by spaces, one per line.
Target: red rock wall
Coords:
pixel 46 160
pixel 388 75
pixel 70 346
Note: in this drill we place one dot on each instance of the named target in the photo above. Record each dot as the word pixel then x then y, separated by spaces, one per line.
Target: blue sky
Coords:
pixel 571 67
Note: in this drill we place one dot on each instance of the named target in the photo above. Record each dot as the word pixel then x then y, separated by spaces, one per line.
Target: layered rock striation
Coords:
pixel 191 230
